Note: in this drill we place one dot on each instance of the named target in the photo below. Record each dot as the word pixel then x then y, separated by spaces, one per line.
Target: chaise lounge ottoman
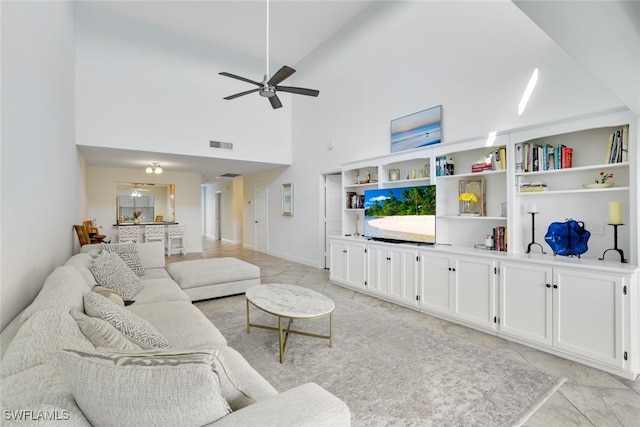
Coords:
pixel 214 277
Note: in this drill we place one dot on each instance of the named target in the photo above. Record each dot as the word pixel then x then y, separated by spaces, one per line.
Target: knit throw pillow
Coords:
pixel 138 389
pixel 111 272
pixel 128 252
pixel 134 327
pixel 101 333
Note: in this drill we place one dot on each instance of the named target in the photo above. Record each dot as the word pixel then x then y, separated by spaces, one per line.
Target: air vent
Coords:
pixel 220 144
pixel 230 175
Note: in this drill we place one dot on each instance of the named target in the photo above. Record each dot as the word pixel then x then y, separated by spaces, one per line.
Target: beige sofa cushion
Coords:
pixel 181 323
pixel 39 338
pixel 41 388
pixel 157 290
pixel 151 254
pixel 135 328
pixel 62 290
pixel 168 388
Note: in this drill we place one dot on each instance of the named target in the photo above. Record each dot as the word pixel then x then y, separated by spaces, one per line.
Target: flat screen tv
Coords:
pixel 404 214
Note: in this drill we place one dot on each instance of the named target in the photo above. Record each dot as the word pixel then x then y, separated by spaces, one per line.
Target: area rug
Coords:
pixel 391 372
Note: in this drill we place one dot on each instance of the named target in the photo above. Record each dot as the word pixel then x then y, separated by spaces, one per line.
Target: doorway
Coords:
pixel 218 215
pixel 261 217
pixel 332 212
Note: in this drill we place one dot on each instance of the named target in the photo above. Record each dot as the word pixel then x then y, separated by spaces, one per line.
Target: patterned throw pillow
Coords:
pixel 101 333
pixel 145 389
pixel 111 272
pixel 134 327
pixel 128 252
pixel 109 294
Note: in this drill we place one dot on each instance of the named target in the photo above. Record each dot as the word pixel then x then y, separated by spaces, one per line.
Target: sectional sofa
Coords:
pixel 80 355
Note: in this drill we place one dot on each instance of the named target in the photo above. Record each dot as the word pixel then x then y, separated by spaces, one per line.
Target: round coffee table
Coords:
pixel 290 302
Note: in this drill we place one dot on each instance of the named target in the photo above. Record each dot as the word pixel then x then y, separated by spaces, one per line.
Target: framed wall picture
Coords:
pixel 159 218
pixel 471 197
pixel 417 130
pixel 287 199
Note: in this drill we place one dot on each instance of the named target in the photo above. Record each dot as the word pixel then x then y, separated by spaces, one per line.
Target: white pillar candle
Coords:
pixel 615 212
pixel 533 208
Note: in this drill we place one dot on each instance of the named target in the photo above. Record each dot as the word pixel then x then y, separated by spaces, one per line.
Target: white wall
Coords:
pixel 41 172
pixel 474 58
pixel 149 89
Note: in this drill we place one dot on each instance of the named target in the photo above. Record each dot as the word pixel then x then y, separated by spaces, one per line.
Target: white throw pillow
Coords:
pixel 134 327
pixel 128 252
pixel 109 294
pixel 232 390
pixel 111 272
pixel 102 334
pixel 159 388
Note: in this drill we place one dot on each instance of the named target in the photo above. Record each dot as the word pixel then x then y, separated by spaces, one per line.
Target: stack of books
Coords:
pixel 533 187
pixel 500 239
pixel 533 157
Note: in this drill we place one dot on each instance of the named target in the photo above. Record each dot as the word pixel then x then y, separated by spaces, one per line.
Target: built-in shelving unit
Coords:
pixel 523 297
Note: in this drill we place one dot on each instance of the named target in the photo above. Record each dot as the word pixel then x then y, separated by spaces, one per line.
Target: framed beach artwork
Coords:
pixel 417 130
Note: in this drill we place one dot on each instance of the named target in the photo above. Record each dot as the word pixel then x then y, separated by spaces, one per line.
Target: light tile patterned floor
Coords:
pixel 589 397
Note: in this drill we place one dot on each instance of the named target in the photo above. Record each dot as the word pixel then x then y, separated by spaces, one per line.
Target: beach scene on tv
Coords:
pixel 404 214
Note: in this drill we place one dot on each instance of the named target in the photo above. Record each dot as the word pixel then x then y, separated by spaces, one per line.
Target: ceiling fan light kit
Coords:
pixel 268 87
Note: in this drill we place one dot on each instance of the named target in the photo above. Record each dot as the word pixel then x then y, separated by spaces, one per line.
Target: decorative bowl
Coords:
pixel 594 185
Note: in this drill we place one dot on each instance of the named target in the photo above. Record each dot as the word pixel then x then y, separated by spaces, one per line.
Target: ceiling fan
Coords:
pixel 271 84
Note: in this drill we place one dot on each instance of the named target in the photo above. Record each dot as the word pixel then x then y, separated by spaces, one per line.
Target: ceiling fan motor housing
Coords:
pixel 267 91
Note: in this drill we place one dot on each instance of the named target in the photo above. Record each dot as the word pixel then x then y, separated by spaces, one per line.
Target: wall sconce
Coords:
pixel 154 168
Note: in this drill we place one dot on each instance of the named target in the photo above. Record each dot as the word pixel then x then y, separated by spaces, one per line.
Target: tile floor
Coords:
pixel 589 397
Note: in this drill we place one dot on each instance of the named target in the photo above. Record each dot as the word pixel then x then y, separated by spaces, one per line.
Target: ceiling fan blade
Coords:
pixel 280 75
pixel 241 94
pixel 298 90
pixel 233 76
pixel 275 102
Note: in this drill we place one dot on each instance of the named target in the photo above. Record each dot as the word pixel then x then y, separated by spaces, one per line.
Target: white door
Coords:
pixel 261 217
pixel 475 291
pixel 332 211
pixel 436 293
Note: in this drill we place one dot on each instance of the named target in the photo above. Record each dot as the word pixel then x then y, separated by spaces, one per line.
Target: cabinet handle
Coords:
pixel 388 259
pixel 344 251
pixel 555 286
pixel 548 285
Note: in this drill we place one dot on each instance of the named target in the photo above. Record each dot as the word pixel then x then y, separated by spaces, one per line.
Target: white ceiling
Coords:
pixel 296 28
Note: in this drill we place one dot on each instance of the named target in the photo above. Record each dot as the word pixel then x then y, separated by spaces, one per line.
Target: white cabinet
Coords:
pixel 459 286
pixel 348 263
pixel 475 291
pixel 526 301
pixel 580 312
pixel 392 272
pixel 436 292
pixel 588 314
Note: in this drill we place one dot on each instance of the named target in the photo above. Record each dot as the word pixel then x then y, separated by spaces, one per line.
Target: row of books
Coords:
pixel 533 157
pixel 618 146
pixel 500 239
pixel 444 166
pixel 355 200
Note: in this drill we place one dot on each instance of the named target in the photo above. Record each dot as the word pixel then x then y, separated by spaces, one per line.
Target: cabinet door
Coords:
pixel 525 301
pixel 587 314
pixel 436 294
pixel 338 267
pixel 355 264
pixel 403 275
pixel 475 291
pixel 378 266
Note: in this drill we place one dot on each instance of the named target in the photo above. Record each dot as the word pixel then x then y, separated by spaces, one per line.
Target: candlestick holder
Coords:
pixel 533 234
pixel 615 244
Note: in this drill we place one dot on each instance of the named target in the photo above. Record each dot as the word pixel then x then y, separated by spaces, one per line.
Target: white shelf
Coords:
pixel 472 174
pixel 574 169
pixel 576 191
pixel 475 218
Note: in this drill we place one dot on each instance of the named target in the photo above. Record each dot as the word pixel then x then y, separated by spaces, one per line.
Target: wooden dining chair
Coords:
pixel 93 233
pixel 83 235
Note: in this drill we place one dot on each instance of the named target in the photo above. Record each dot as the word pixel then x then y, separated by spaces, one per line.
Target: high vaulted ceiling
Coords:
pixel 296 27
